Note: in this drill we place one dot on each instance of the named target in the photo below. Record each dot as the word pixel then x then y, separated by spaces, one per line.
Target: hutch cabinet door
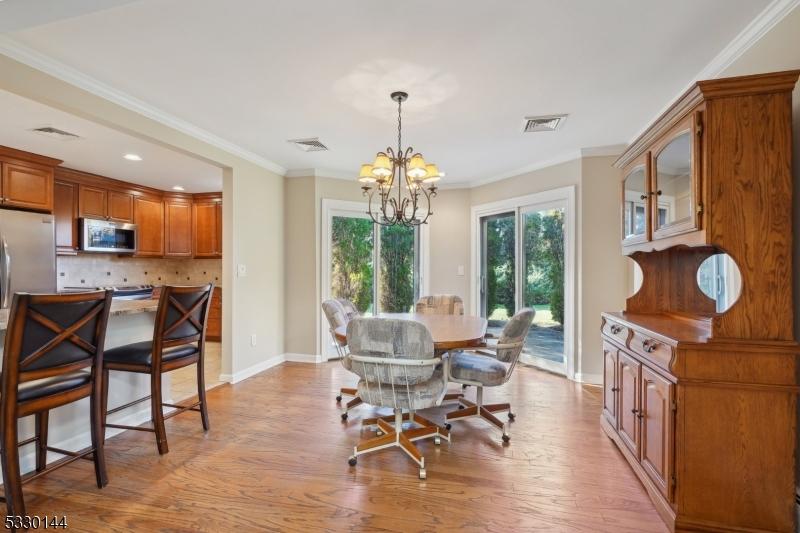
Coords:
pixel 148 214
pixel 629 379
pixel 635 201
pixel 120 206
pixel 92 202
pixel 610 387
pixel 657 429
pixel 65 215
pixel 27 187
pixel 676 173
pixel 178 224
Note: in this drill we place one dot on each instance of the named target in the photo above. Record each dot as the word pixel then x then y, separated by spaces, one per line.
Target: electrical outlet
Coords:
pixel 460 270
pixel 253 339
pixel 241 270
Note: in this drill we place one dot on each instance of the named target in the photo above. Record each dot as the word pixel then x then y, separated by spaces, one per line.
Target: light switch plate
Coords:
pixel 460 270
pixel 241 270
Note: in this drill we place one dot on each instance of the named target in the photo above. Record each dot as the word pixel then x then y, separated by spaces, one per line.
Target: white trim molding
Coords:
pixel 30 57
pixel 589 379
pixel 252 370
pixel 303 358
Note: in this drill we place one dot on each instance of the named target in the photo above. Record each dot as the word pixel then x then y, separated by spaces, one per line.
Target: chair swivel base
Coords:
pixel 468 409
pixel 395 436
pixel 356 401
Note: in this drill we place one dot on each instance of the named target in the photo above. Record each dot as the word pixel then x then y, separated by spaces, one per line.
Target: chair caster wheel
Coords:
pixel 512 416
pixel 448 426
pixel 422 473
pixel 506 438
pixel 460 407
pixel 339 398
pixel 344 416
pixel 352 461
pixel 437 441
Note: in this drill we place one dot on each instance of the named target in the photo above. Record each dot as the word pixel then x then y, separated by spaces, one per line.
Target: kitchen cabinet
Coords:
pixel 178 227
pixel 148 215
pixel 65 215
pixel 656 428
pixel 207 231
pixel 107 204
pixel 629 377
pixel 610 383
pixel 27 187
pixel 214 328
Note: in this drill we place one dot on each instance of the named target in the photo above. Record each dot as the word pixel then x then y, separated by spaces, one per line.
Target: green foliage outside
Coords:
pixel 544 263
pixel 351 261
pixel 352 270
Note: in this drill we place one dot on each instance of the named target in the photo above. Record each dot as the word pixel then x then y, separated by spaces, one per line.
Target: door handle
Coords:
pixel 6 271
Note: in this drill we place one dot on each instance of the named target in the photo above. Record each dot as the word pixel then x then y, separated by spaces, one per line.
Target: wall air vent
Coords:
pixel 311 144
pixel 55 133
pixel 543 123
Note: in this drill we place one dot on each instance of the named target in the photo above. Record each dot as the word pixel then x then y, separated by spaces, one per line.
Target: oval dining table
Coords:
pixel 449 332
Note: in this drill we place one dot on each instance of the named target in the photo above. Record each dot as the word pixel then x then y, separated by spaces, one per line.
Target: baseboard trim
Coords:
pixel 250 371
pixel 303 358
pixel 591 379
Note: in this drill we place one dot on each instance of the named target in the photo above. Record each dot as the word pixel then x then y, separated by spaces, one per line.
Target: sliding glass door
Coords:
pixel 523 262
pixel 375 267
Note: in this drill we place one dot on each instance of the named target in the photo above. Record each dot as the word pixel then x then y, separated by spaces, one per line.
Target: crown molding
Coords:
pixel 321 173
pixel 563 158
pixel 776 11
pixel 30 57
pixel 603 151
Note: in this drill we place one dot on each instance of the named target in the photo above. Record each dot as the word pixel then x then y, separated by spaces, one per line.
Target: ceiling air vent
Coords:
pixel 311 144
pixel 55 133
pixel 543 123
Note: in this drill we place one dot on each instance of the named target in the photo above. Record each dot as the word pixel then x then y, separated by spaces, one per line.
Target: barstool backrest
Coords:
pixel 182 316
pixel 53 334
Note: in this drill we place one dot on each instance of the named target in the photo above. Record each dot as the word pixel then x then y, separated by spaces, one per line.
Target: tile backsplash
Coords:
pixel 103 270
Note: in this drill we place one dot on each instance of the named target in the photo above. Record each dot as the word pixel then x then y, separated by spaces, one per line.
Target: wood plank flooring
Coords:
pixel 275 459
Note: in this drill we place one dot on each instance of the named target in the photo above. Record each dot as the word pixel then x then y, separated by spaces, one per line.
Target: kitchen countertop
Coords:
pixel 118 308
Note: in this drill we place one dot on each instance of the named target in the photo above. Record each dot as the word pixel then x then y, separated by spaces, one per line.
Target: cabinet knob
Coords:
pixel 643 197
pixel 616 329
pixel 640 415
pixel 634 411
pixel 614 389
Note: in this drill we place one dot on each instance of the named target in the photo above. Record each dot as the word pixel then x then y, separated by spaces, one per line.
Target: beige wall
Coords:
pixel 543 179
pixel 449 244
pixel 300 264
pixel 252 213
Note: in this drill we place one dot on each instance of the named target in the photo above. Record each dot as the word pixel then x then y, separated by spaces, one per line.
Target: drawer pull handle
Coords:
pixel 615 329
pixel 649 346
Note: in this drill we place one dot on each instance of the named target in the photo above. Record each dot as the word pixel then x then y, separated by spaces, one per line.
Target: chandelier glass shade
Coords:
pixel 399 184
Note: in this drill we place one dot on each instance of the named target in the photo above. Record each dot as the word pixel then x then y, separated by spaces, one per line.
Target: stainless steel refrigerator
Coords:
pixel 27 254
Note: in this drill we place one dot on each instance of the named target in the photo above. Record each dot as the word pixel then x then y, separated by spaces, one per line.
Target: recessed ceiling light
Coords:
pixel 177 188
pixel 132 157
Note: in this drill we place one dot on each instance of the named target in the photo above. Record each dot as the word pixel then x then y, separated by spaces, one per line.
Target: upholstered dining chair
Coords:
pixel 395 362
pixel 179 340
pixel 440 304
pixel 53 356
pixel 490 367
pixel 340 312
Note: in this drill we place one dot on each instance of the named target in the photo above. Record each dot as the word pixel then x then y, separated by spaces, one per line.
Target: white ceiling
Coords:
pixel 100 150
pixel 257 73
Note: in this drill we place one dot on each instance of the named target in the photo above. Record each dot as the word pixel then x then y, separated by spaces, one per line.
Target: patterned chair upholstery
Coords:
pixel 339 312
pixel 485 368
pixel 440 304
pixel 397 367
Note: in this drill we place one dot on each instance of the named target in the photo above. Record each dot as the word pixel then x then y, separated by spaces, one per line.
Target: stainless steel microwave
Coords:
pixel 107 236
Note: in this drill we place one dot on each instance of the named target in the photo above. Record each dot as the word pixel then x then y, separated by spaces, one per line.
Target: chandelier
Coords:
pixel 409 203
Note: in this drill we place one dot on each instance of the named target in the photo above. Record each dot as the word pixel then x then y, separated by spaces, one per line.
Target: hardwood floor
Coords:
pixel 183 382
pixel 276 459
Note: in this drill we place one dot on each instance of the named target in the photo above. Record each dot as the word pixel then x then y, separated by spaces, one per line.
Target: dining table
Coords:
pixel 449 332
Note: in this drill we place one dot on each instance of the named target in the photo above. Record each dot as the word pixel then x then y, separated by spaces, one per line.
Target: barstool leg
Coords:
pixel 158 413
pixel 9 461
pixel 201 391
pixel 105 400
pixel 41 439
pixel 96 417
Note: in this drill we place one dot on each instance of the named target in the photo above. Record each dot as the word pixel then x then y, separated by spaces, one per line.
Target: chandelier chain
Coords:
pixel 399 127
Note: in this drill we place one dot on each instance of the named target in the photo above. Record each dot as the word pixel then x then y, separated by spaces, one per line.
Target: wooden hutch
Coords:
pixel 701 400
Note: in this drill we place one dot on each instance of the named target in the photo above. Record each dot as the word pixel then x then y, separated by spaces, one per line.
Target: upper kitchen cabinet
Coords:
pixel 148 215
pixel 27 180
pixel 207 225
pixel 109 204
pixel 178 226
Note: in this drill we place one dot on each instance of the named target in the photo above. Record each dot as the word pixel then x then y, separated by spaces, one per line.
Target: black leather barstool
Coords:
pixel 178 340
pixel 53 356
